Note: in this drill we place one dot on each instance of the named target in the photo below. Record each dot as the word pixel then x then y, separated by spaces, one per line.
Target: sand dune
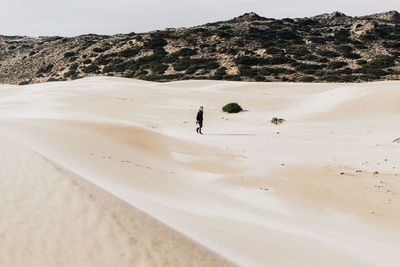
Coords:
pixel 109 172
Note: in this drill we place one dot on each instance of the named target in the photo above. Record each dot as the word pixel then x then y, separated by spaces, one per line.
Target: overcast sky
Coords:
pixel 74 17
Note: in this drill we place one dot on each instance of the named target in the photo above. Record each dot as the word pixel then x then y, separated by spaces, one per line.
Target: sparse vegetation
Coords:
pixel 277 121
pixel 317 49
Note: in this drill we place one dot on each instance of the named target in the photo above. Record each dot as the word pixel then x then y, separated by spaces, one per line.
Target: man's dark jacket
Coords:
pixel 199 116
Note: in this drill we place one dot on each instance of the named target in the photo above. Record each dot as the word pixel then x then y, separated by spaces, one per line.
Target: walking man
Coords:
pixel 199 120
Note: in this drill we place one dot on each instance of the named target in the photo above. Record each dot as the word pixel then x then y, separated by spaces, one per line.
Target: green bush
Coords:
pixel 70 74
pixel 186 52
pixel 351 55
pixel 303 66
pixel 156 43
pixel 337 64
pixel 69 54
pixel 73 66
pixel 194 64
pixel 162 77
pixel 130 52
pixel 122 66
pixel 46 69
pixel 299 52
pixel 102 60
pixel 232 108
pixel 158 68
pixel 309 57
pixel 275 60
pixel 247 71
pixel 72 59
pixel 361 62
pixel 259 78
pixel 382 61
pixel 273 50
pixel 328 53
pixel 24 82
pixel 171 58
pixel 246 60
pixel 394 45
pixel 274 71
pixel 220 72
pixel 307 79
pixel 91 69
pixel 232 78
pixel 342 35
pixel 318 40
pixel 344 49
pixel 100 49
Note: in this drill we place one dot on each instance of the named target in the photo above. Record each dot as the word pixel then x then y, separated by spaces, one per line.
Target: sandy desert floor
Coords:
pixel 110 172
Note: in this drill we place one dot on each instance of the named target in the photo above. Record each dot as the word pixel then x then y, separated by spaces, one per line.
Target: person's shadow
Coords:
pixel 228 134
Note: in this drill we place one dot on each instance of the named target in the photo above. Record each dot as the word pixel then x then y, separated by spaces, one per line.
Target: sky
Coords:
pixel 75 17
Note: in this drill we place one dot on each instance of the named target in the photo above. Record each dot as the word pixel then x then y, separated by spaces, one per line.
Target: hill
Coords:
pixel 326 48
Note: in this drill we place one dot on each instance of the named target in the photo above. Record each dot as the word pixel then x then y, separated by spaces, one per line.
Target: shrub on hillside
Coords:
pixel 337 64
pixel 87 61
pixel 299 52
pixel 102 60
pixel 275 60
pixel 248 71
pixel 247 60
pixel 100 49
pixel 394 45
pixel 25 82
pixel 328 53
pixel 46 69
pixel 309 57
pixel 72 59
pixel 73 66
pixel 259 78
pixel 344 49
pixel 318 40
pixel 273 50
pixel 158 68
pixel 382 61
pixel 232 108
pixel 220 72
pixel 194 64
pixel 303 66
pixel 351 55
pixel 156 43
pixel 69 54
pixel 122 66
pixel 130 52
pixel 274 71
pixel 232 78
pixel 91 69
pixel 70 74
pixel 186 52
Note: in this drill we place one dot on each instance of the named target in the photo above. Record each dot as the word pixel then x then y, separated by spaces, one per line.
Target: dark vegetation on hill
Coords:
pixel 326 48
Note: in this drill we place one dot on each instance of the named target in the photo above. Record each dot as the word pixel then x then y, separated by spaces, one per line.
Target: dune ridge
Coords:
pixel 246 193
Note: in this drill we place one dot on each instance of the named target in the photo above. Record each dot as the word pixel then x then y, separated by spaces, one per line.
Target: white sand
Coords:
pixel 110 172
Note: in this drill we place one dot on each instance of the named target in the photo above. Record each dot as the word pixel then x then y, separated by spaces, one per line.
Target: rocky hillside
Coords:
pixel 325 48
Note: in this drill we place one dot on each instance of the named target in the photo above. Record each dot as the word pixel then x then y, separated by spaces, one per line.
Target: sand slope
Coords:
pixel 109 172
